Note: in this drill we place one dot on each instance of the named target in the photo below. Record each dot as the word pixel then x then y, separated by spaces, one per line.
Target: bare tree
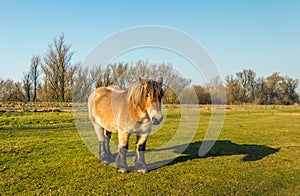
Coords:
pixel 217 91
pixel 121 74
pixel 246 79
pixel 34 74
pixel 104 76
pixel 58 68
pixel 196 94
pixel 233 90
pixel 203 94
pixel 6 90
pixel 98 73
pixel 27 86
pixel 11 91
pixel 273 83
pixel 83 84
pixel 43 90
pixel 2 90
pixel 287 91
pixel 261 91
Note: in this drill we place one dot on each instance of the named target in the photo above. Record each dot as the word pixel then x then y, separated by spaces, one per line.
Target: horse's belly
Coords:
pixel 108 125
pixel 141 129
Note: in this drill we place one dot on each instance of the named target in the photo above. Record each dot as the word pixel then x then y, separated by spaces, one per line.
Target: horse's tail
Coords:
pixel 91 105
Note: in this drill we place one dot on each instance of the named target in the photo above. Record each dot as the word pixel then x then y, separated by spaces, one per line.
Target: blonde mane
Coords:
pixel 134 95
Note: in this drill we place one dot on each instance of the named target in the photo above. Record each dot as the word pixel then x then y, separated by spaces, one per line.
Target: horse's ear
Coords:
pixel 143 81
pixel 160 81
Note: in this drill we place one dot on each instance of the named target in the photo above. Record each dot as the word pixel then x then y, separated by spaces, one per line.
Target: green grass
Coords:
pixel 257 153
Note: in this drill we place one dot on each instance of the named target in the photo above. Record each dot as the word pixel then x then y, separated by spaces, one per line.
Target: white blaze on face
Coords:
pixel 155 113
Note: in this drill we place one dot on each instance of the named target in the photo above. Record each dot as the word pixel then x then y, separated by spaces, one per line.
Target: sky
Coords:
pixel 258 35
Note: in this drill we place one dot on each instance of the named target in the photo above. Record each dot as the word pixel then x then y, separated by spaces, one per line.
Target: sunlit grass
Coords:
pixel 256 153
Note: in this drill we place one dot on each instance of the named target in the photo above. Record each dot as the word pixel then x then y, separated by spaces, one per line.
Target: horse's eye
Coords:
pixel 160 98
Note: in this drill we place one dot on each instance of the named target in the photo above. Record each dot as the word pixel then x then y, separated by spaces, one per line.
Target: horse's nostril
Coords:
pixel 156 121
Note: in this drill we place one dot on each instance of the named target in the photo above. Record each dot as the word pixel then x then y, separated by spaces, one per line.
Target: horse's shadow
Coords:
pixel 252 152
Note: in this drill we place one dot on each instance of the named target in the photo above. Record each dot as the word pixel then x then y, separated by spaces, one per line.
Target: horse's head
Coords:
pixel 152 96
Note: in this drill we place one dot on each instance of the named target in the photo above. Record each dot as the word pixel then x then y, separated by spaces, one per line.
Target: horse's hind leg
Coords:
pixel 140 154
pixel 107 136
pixel 103 140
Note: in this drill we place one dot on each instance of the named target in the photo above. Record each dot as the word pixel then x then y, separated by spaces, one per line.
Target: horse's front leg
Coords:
pixel 140 153
pixel 123 148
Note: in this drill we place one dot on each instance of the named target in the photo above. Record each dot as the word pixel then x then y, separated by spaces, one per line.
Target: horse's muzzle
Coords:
pixel 156 121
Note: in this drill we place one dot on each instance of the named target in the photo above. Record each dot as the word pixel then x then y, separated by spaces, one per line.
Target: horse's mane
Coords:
pixel 135 91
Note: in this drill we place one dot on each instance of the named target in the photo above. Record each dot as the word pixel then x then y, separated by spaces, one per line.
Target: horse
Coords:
pixel 125 112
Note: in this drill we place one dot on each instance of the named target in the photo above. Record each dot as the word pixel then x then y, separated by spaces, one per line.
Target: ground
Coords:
pixel 256 153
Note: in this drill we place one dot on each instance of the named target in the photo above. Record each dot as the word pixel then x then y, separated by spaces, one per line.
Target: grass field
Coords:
pixel 257 153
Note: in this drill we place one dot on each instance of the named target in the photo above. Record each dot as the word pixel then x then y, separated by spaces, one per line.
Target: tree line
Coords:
pixel 54 78
pixel 245 87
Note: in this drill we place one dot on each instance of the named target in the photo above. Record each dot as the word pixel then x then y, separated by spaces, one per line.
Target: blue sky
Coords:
pixel 258 35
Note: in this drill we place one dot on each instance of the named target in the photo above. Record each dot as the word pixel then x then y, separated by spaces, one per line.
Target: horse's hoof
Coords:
pixel 122 170
pixel 105 162
pixel 143 171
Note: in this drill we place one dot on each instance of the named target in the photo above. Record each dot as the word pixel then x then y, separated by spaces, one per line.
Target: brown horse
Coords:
pixel 126 112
